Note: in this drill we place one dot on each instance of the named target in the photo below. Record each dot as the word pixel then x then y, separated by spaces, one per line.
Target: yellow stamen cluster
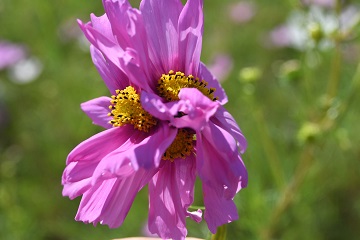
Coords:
pixel 126 109
pixel 169 85
pixel 181 147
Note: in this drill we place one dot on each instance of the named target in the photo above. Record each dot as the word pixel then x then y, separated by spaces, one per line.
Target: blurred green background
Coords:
pixel 303 155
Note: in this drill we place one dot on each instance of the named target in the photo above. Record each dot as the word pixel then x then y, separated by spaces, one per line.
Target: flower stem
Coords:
pixel 220 233
pixel 289 193
pixel 197 207
pixel 270 149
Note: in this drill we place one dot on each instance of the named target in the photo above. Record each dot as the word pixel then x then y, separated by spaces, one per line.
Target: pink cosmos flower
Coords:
pixel 165 123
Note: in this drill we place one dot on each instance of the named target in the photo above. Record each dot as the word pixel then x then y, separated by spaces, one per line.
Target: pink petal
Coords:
pixel 217 169
pixel 191 22
pixel 195 215
pixel 128 27
pixel 113 77
pixel 102 25
pixel 154 105
pixel 142 150
pixel 109 201
pixel 219 210
pixel 109 47
pixel 127 59
pixel 97 109
pixel 161 24
pixel 171 193
pixel 101 144
pixel 206 75
pixel 224 120
pixel 77 178
pixel 198 109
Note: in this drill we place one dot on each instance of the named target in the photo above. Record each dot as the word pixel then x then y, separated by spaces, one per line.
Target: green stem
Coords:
pixel 220 233
pixel 288 195
pixel 336 61
pixel 270 150
pixel 197 207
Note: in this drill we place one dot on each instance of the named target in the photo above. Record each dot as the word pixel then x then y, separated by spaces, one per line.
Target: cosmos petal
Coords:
pixel 97 109
pixel 191 22
pixel 171 193
pixel 161 24
pixel 219 210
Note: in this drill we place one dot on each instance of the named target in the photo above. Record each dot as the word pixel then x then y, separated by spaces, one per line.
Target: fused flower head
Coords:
pixel 165 122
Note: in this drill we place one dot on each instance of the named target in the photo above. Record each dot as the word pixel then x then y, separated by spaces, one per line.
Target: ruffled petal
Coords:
pixel 102 25
pixel 101 144
pixel 219 170
pixel 154 105
pixel 224 120
pixel 109 201
pixel 109 47
pixel 128 60
pixel 171 192
pixel 198 109
pixel 219 210
pixel 97 109
pixel 128 27
pixel 143 150
pixel 113 77
pixel 195 215
pixel 77 178
pixel 190 26
pixel 206 75
pixel 161 24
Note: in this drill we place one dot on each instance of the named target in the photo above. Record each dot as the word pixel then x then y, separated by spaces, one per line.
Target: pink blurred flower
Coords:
pixel 10 54
pixel 162 127
pixel 221 66
pixel 280 36
pixel 242 11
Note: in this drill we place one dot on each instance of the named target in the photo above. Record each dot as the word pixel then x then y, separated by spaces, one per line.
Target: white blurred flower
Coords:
pixel 321 3
pixel 26 70
pixel 314 28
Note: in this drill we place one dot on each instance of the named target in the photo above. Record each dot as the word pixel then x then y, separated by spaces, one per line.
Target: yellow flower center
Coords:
pixel 126 109
pixel 181 147
pixel 169 85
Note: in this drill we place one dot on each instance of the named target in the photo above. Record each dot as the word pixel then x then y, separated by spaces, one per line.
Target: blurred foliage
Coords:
pixel 303 133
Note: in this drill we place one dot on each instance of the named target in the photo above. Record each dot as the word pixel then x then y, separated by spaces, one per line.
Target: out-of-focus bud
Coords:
pixel 308 132
pixel 290 70
pixel 250 74
pixel 315 31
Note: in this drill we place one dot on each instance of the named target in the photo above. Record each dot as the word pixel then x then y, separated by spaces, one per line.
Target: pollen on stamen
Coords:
pixel 169 85
pixel 126 109
pixel 181 147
